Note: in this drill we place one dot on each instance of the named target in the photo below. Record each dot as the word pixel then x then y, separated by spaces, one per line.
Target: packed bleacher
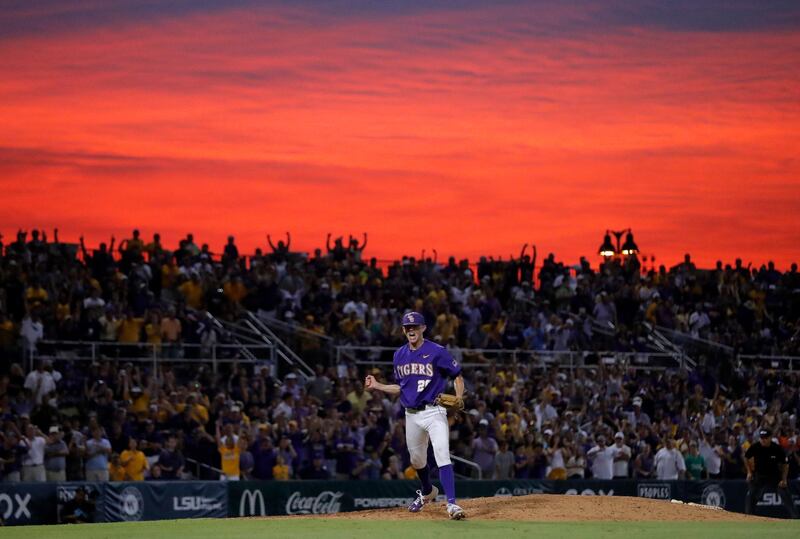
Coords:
pixel 118 419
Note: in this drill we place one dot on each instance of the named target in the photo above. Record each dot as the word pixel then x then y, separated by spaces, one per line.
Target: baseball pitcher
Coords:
pixel 421 370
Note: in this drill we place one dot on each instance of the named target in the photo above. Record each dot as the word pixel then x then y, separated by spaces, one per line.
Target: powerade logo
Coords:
pixel 132 504
pixel 655 491
pixel 713 495
pixel 381 503
pixel 17 506
pixel 252 499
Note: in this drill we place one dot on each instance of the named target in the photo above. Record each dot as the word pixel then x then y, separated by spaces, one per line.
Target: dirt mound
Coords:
pixel 559 508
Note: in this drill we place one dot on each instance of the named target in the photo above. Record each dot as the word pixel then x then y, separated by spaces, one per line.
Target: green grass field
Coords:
pixel 338 528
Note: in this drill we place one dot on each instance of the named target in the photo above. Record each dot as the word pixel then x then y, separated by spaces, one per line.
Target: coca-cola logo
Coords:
pixel 324 503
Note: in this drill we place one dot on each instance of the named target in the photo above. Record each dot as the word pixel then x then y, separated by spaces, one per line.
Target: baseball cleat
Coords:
pixel 422 499
pixel 455 512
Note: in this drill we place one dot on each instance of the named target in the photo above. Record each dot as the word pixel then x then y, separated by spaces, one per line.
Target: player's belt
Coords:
pixel 420 409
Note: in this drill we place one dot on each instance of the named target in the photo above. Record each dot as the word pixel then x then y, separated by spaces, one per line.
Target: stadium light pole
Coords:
pixel 608 249
pixel 629 247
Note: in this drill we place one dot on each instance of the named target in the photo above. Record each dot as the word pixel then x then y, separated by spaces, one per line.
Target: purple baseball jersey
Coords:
pixel 422 373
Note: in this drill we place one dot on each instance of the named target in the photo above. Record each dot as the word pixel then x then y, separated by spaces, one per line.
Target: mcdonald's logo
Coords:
pixel 250 500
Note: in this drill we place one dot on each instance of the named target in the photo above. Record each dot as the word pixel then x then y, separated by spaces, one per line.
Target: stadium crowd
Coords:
pixel 124 420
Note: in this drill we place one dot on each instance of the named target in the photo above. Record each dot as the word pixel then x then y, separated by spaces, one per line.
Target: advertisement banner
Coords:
pixel 49 503
pixel 69 511
pixel 591 487
pixel 656 490
pixel 731 495
pixel 27 503
pixel 254 498
pixel 164 500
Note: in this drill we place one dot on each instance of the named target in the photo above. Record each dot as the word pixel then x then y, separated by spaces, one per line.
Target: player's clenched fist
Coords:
pixel 370 382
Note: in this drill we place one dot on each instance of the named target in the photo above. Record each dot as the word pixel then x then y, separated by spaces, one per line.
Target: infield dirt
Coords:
pixel 560 508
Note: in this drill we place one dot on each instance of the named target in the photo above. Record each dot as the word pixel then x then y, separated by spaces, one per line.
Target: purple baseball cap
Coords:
pixel 413 319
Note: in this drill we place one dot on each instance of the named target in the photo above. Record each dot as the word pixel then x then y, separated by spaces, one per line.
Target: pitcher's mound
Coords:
pixel 555 508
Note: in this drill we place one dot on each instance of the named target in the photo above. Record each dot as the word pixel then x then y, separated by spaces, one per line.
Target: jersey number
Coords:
pixel 421 385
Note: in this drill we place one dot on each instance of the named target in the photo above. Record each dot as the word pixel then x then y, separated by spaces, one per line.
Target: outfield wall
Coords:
pixel 41 503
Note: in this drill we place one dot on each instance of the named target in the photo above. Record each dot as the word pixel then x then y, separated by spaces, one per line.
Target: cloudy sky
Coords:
pixel 468 127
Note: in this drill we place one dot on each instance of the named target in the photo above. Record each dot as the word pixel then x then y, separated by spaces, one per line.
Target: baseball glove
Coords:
pixel 451 402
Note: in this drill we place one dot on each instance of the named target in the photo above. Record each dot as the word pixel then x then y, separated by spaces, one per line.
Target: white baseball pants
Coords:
pixel 429 424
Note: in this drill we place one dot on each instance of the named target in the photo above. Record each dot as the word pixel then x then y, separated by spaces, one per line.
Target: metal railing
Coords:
pixel 471 464
pixel 214 354
pixel 154 353
pixel 241 346
pixel 779 363
pixel 249 329
pixel 663 344
pixel 283 351
pixel 656 341
pixel 197 465
pixel 296 336
pixel 682 339
pixel 294 328
pixel 479 357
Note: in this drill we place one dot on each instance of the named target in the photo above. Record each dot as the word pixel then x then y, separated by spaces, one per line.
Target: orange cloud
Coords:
pixel 471 132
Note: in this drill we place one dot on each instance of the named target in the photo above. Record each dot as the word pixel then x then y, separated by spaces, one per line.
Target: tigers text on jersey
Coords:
pixel 422 373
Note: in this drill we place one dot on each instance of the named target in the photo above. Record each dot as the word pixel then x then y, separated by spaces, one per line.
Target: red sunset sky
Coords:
pixel 469 129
